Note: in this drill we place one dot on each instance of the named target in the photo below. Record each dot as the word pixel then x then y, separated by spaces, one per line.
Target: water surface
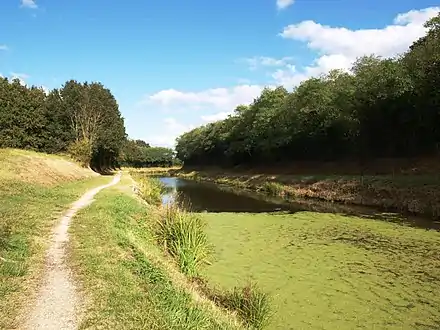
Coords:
pixel 211 197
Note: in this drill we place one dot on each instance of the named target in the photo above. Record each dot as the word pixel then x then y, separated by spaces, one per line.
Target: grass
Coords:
pixel 125 276
pixel 34 190
pixel 326 271
pixel 249 302
pixel 149 189
pixel 252 304
pixel 183 235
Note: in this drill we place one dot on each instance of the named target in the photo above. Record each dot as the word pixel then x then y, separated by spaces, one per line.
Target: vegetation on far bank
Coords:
pixel 328 271
pixel 34 190
pixel 382 108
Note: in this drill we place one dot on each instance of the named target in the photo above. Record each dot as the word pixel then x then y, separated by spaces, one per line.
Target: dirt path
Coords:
pixel 58 303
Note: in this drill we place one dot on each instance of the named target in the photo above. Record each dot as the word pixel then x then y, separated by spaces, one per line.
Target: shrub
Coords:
pixel 81 151
pixel 182 234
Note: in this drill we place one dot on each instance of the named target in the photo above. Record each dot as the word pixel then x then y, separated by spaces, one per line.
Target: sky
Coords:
pixel 174 65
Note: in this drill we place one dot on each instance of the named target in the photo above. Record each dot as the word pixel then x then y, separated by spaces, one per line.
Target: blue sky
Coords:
pixel 173 65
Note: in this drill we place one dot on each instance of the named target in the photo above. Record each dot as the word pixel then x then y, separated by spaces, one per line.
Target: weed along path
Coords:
pixel 57 302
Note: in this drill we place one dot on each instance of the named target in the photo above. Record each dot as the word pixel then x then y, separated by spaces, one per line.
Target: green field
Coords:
pixel 326 271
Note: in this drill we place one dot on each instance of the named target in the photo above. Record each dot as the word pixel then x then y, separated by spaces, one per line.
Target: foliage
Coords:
pixel 81 151
pixel 381 108
pixel 62 120
pixel 138 153
pixel 182 234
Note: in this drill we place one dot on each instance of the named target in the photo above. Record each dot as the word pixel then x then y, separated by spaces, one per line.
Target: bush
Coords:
pixel 81 151
pixel 182 234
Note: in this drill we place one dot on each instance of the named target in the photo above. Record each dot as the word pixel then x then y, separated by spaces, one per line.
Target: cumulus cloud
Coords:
pixel 22 77
pixel 222 99
pixel 263 61
pixel 283 4
pixel 212 104
pixel 171 130
pixel 4 47
pixel 29 4
pixel 216 116
pixel 339 47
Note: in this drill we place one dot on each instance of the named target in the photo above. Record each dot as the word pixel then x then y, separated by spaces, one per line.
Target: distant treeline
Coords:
pixel 82 119
pixel 138 153
pixel 381 108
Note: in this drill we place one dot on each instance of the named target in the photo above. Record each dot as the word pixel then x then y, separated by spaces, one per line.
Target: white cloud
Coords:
pixel 263 61
pixel 283 4
pixel 216 116
pixel 45 89
pixel 29 4
pixel 213 104
pixel 4 47
pixel 171 130
pixel 20 76
pixel 389 41
pixel 224 99
pixel 339 47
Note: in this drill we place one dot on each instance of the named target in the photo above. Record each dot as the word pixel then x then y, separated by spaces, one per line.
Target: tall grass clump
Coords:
pixel 150 189
pixel 183 236
pixel 251 304
pixel 273 188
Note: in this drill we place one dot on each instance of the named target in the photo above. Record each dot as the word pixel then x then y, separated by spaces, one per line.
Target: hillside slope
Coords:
pixel 34 189
pixel 39 168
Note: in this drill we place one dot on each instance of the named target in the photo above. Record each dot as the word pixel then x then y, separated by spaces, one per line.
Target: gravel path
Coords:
pixel 57 304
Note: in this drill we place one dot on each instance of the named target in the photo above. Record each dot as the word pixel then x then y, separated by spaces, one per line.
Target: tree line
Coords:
pixel 380 108
pixel 138 153
pixel 82 119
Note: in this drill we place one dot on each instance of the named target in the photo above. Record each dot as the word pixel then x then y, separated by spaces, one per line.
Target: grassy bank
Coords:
pixel 182 236
pixel 34 190
pixel 417 194
pixel 129 282
pixel 328 271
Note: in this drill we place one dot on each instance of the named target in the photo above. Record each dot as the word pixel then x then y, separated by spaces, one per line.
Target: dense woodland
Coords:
pixel 381 108
pixel 82 119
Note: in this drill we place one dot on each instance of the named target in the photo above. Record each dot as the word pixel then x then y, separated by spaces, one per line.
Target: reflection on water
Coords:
pixel 214 198
pixel 211 197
